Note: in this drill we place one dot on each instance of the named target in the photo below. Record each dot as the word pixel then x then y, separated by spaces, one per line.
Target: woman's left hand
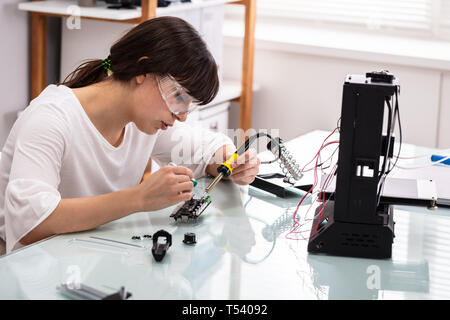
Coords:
pixel 245 167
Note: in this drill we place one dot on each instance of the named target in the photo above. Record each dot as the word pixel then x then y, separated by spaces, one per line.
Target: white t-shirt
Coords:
pixel 54 151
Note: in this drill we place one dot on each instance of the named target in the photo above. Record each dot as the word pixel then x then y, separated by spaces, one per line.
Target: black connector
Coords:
pixel 381 76
pixel 159 249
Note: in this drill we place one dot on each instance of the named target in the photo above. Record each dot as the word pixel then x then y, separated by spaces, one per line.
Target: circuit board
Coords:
pixel 191 209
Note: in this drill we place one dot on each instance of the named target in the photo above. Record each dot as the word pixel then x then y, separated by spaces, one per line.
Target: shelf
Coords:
pixel 66 8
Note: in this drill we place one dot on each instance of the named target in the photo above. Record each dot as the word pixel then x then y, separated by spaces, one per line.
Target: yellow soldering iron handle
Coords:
pixel 225 168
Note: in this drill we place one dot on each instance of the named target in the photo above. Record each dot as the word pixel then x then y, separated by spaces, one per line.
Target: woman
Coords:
pixel 74 159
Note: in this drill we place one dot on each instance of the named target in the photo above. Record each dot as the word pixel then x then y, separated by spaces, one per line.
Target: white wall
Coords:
pixel 444 125
pixel 14 65
pixel 301 92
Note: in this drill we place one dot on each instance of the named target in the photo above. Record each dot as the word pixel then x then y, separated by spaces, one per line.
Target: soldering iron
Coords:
pixel 275 146
pixel 193 208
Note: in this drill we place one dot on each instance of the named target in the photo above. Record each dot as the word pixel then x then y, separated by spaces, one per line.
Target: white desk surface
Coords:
pixel 241 253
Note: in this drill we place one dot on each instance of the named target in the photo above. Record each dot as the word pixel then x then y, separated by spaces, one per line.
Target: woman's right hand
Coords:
pixel 165 187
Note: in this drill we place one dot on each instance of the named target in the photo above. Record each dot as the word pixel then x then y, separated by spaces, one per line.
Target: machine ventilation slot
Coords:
pixel 359 240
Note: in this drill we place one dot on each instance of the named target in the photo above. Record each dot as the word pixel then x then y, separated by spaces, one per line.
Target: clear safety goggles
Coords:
pixel 175 96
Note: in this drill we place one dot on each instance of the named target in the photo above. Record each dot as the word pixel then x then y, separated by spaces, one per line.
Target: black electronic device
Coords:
pixel 159 249
pixel 356 223
pixel 123 4
pixel 166 3
pixel 131 4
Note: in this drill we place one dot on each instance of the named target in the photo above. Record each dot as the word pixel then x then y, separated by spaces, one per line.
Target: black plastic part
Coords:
pixel 159 249
pixel 275 175
pixel 384 146
pixel 147 236
pixel 117 296
pixel 136 238
pixel 268 186
pixel 356 225
pixel 189 238
pixel 352 239
pixel 224 170
pixel 124 4
pixel 380 76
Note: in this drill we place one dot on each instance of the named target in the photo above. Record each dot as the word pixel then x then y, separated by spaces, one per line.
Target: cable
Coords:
pixel 391 166
pixel 296 224
pixel 321 147
pixel 389 135
pixel 422 155
pixel 425 166
pixel 329 159
pixel 326 184
pixel 397 116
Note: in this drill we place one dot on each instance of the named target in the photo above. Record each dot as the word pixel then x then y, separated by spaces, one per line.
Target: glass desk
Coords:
pixel 241 253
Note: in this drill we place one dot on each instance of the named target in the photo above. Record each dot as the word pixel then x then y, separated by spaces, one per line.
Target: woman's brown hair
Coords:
pixel 171 47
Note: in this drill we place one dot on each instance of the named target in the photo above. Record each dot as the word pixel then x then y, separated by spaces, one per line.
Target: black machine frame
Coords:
pixel 355 223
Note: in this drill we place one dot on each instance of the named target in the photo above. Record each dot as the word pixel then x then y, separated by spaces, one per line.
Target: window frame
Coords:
pixel 438 29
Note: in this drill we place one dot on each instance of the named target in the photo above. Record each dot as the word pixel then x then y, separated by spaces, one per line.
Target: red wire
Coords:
pixel 318 152
pixel 322 193
pixel 296 225
pixel 322 210
pixel 317 155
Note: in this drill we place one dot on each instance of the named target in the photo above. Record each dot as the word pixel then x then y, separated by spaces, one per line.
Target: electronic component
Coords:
pixel 355 223
pixel 191 209
pixel 380 76
pixel 136 238
pixel 160 248
pixel 83 292
pixel 189 238
pixel 147 236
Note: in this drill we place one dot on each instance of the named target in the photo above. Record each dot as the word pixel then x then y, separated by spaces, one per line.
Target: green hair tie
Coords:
pixel 106 64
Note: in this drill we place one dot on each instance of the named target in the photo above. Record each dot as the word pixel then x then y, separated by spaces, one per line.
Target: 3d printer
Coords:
pixel 355 223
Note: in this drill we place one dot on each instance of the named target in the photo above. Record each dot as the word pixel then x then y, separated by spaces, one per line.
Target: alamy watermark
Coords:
pixel 73 22
pixel 191 148
pixel 374 279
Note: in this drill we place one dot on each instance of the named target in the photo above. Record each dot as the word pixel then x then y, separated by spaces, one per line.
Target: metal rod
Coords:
pixel 214 182
pixel 125 243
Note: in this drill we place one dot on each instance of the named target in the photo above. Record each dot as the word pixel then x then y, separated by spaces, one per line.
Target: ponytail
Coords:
pixel 87 73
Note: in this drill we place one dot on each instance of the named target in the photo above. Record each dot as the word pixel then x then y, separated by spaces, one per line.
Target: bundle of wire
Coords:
pixel 296 232
pixel 393 117
pixel 386 168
